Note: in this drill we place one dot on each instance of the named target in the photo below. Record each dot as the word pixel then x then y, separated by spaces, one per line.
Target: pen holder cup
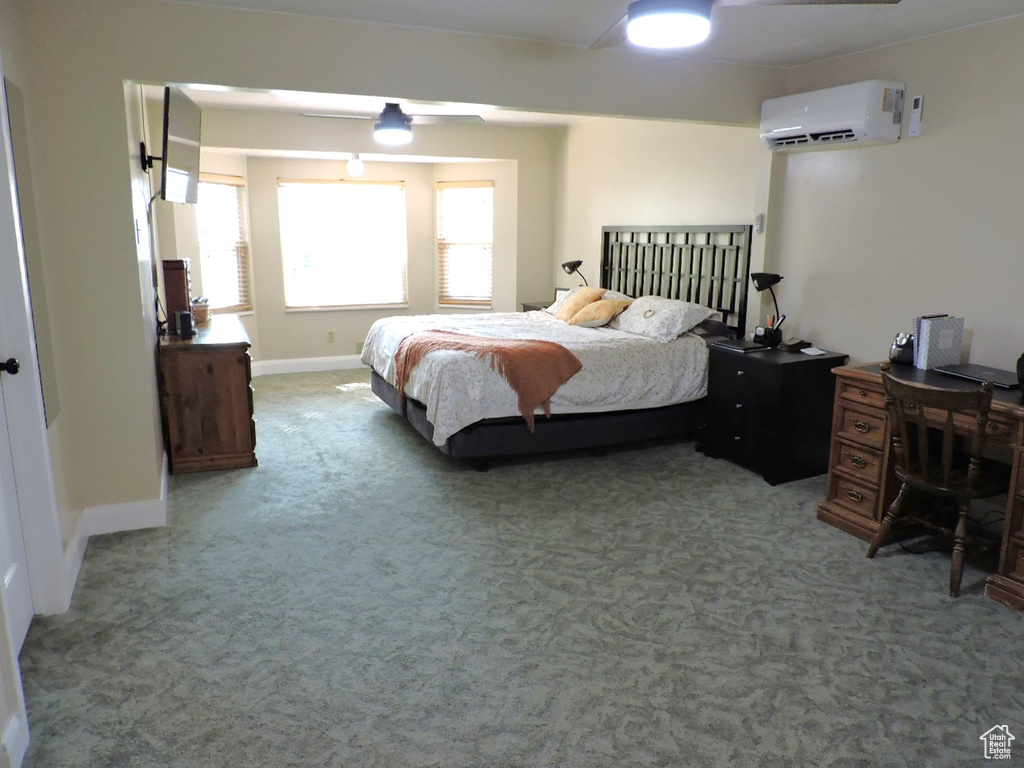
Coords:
pixel 770 337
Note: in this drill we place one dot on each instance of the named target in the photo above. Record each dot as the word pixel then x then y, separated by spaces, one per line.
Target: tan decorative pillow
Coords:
pixel 599 313
pixel 578 301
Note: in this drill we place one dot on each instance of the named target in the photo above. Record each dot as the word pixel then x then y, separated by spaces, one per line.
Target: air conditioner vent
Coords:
pixel 842 134
pixel 788 141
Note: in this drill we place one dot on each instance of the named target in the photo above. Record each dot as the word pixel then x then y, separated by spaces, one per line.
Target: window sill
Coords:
pixel 347 308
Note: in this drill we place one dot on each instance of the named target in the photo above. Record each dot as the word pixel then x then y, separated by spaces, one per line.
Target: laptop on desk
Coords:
pixel 981 373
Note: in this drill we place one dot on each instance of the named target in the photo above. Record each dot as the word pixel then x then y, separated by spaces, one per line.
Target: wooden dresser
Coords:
pixel 861 481
pixel 206 398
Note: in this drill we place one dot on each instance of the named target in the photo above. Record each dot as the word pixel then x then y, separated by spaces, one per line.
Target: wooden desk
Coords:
pixel 861 481
pixel 206 398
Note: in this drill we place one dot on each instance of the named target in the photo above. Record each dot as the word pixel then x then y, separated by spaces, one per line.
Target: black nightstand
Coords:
pixel 531 306
pixel 771 411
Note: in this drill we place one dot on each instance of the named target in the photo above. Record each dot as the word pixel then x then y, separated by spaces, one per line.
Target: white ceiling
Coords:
pixel 770 35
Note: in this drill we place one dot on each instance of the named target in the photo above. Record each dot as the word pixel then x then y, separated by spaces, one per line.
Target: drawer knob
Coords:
pixel 863 393
pixel 736 438
pixel 858 461
pixel 862 426
pixel 739 373
pixel 854 495
pixel 738 406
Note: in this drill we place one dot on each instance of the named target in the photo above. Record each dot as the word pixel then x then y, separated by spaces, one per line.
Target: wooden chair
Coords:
pixel 931 458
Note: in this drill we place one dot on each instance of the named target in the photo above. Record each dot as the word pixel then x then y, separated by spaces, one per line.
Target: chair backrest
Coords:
pixel 924 439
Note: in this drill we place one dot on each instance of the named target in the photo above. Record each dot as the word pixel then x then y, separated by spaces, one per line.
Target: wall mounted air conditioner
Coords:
pixel 852 115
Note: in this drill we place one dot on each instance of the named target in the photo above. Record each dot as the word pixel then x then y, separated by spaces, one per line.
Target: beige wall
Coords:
pixel 652 172
pixel 868 238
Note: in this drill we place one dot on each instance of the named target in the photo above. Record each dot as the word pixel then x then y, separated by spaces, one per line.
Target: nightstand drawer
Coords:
pixel 867 427
pixel 734 378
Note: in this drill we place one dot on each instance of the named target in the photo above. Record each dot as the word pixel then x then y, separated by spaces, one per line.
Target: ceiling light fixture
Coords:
pixel 394 127
pixel 668 23
pixel 355 166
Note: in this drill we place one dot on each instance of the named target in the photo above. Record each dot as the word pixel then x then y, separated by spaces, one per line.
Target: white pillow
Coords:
pixel 662 319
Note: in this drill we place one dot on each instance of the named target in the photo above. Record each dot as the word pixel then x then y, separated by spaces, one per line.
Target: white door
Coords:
pixel 17 595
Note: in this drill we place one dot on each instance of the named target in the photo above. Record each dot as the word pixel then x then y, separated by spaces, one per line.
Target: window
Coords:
pixel 465 242
pixel 343 243
pixel 223 243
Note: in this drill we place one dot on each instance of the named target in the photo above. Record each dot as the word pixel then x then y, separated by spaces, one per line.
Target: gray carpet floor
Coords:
pixel 358 600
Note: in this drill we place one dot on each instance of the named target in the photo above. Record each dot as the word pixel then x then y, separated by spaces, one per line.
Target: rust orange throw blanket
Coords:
pixel 534 369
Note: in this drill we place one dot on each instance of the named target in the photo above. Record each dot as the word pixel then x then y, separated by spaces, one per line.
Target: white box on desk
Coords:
pixel 939 341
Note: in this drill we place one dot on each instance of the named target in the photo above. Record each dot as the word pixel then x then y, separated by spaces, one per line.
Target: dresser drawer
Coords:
pixel 861 462
pixel 862 425
pixel 859 498
pixel 865 394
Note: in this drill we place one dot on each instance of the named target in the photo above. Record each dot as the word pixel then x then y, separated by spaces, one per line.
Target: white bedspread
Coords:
pixel 621 371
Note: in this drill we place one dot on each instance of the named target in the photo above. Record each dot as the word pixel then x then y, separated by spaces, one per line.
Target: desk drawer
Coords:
pixel 864 426
pixel 856 497
pixel 865 394
pixel 858 460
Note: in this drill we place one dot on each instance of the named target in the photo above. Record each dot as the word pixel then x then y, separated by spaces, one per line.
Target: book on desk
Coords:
pixel 938 340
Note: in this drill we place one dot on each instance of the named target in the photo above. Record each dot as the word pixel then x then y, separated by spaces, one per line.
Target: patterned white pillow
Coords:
pixel 662 319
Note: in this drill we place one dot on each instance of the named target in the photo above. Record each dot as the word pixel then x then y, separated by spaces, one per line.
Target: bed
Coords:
pixel 630 387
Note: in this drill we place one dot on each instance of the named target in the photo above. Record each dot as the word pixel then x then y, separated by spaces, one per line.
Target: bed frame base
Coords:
pixel 496 438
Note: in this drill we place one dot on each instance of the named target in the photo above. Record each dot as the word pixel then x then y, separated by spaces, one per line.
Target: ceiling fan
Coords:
pixel 395 126
pixel 679 23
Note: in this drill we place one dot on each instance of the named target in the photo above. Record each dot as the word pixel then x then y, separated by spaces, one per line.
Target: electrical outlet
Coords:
pixel 330 337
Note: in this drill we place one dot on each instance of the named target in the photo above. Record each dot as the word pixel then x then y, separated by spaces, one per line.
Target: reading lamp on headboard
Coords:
pixel 574 266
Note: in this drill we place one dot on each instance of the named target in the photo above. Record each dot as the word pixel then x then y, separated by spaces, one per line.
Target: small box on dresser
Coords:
pixel 206 398
pixel 771 411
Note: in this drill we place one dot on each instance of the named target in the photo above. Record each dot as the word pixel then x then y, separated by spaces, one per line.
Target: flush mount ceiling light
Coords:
pixel 673 24
pixel 355 166
pixel 668 23
pixel 394 127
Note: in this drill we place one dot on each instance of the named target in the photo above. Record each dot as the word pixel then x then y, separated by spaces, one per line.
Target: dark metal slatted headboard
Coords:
pixel 707 265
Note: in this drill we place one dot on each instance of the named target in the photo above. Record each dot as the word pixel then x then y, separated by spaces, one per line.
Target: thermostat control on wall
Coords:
pixel 916 105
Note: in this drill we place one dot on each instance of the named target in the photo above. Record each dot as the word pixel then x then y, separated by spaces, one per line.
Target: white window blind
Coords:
pixel 465 242
pixel 224 243
pixel 343 243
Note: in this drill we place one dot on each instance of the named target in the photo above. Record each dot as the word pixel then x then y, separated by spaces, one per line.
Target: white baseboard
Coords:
pixel 112 518
pixel 306 365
